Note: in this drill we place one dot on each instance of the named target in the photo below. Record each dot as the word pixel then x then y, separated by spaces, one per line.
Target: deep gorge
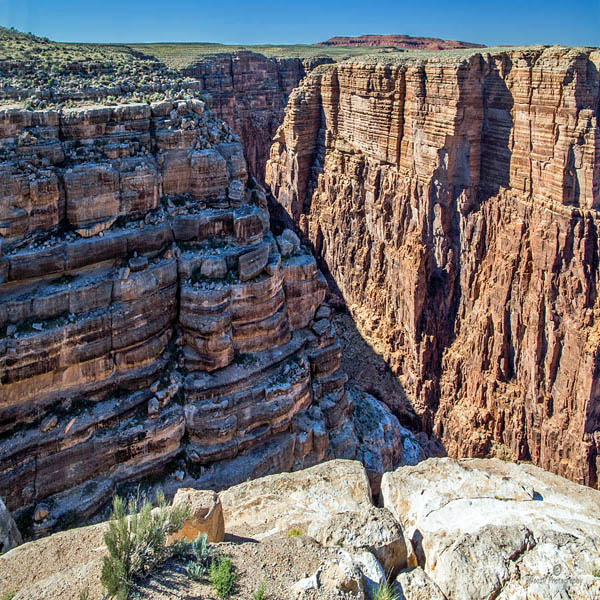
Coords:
pixel 454 204
pixel 153 325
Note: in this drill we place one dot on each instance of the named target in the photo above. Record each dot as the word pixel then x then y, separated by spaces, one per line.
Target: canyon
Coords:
pixel 452 201
pixel 186 282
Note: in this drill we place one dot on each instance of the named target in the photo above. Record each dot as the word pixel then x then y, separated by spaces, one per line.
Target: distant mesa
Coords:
pixel 405 42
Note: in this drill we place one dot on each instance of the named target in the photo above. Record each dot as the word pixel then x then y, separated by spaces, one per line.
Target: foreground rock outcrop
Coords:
pixel 449 530
pixel 150 323
pixel 453 202
pixel 493 529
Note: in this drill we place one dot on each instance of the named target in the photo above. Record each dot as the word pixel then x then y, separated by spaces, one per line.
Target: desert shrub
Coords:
pixel 385 591
pixel 136 541
pixel 260 592
pixel 201 548
pixel 293 532
pixel 8 595
pixel 197 569
pixel 221 576
pixel 596 571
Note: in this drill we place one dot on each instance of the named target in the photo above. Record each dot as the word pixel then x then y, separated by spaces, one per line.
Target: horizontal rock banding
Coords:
pixel 137 272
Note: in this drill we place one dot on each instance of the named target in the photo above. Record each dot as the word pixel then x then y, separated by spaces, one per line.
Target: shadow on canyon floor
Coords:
pixel 367 370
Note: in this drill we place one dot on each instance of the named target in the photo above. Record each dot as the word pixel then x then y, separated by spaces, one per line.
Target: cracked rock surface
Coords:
pixel 492 529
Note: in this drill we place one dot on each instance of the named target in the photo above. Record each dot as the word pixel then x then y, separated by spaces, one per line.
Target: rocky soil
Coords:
pixel 452 201
pixel 448 530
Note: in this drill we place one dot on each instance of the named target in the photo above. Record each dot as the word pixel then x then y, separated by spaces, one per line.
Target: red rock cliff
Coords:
pixel 408 42
pixel 455 202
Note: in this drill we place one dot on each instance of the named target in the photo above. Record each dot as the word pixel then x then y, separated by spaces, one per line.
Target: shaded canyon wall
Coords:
pixel 250 91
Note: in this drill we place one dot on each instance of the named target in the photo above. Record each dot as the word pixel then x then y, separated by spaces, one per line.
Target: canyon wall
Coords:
pixel 454 203
pixel 250 91
pixel 150 323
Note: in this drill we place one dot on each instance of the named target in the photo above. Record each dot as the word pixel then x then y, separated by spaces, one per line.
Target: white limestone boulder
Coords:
pixel 490 529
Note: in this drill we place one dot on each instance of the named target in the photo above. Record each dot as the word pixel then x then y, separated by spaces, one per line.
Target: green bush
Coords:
pixel 385 591
pixel 197 569
pixel 201 548
pixel 8 595
pixel 221 577
pixel 294 532
pixel 136 542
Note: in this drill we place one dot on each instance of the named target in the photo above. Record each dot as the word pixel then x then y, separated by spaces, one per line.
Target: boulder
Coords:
pixel 252 263
pixel 206 515
pixel 385 444
pixel 488 528
pixel 289 236
pixel 413 584
pixel 306 584
pixel 285 248
pixel 279 503
pixel 236 190
pixel 343 575
pixel 372 528
pixel 323 312
pixel 372 572
pixel 9 533
pixel 214 267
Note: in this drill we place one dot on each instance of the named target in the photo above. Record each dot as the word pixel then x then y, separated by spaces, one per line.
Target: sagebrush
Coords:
pixel 136 541
pixel 197 569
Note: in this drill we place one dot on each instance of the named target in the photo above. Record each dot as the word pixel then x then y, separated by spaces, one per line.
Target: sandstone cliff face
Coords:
pixel 147 314
pixel 454 203
pixel 250 91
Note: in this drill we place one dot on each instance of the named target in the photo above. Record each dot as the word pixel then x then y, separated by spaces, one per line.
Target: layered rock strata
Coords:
pixel 147 314
pixel 453 202
pixel 408 42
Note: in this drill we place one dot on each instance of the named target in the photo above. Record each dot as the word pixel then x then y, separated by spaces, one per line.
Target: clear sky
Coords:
pixel 514 22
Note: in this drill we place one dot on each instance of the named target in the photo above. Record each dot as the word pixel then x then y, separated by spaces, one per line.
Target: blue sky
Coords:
pixel 305 21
